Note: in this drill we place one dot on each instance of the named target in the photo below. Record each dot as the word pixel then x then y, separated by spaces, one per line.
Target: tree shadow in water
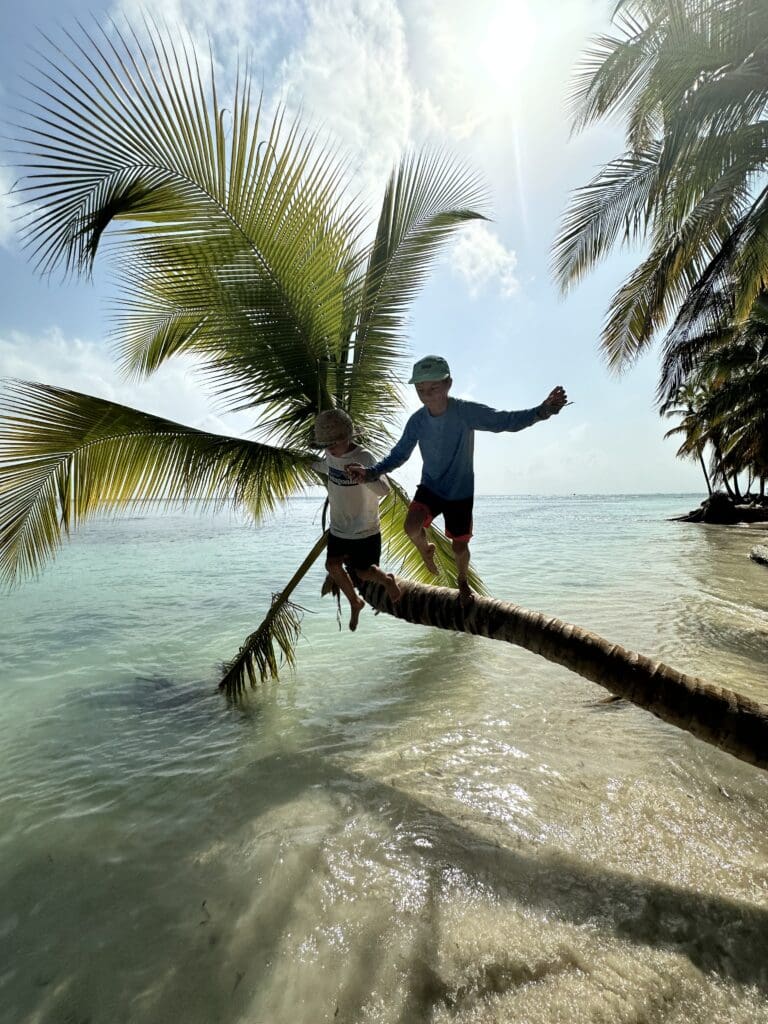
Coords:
pixel 200 961
pixel 717 934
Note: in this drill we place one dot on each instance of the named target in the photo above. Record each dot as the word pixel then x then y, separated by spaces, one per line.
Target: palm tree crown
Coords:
pixel 689 79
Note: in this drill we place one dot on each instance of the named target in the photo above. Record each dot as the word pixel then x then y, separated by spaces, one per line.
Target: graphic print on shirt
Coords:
pixel 339 477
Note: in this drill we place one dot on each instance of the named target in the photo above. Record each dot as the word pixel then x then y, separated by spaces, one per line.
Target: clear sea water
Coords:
pixel 412 826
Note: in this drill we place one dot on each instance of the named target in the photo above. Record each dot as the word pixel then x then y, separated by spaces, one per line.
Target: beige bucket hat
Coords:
pixel 332 426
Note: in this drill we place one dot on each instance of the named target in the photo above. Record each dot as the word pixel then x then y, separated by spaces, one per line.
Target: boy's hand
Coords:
pixel 553 403
pixel 356 472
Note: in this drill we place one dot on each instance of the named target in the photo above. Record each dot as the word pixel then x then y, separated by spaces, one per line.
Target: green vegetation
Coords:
pixel 235 242
pixel 689 78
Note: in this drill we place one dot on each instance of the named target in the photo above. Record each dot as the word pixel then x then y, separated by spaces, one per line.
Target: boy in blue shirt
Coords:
pixel 444 431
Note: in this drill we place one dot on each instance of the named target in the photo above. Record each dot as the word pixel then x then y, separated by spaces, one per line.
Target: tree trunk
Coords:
pixel 716 715
pixel 706 474
pixel 721 472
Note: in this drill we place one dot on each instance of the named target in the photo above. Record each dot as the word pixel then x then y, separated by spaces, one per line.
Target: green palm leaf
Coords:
pixel 688 77
pixel 66 456
pixel 254 226
pixel 613 206
pixel 428 197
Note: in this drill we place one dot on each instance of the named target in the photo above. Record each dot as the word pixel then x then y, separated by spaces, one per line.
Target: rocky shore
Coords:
pixel 721 509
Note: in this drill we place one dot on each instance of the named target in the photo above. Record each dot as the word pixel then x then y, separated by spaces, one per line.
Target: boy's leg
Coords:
pixel 458 526
pixel 386 579
pixel 461 556
pixel 419 516
pixel 338 573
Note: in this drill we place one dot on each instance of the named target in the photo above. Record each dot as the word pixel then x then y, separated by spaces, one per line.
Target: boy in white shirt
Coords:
pixel 355 536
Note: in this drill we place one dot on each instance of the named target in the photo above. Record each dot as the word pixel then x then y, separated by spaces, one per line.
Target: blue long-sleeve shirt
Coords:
pixel 447 444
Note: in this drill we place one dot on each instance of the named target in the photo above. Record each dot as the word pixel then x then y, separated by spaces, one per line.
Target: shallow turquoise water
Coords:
pixel 412 826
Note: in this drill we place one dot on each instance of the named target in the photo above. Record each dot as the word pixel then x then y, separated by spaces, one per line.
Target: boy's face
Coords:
pixel 434 393
pixel 339 448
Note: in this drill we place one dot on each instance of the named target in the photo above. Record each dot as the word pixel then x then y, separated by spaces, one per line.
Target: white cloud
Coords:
pixel 342 63
pixel 173 391
pixel 350 73
pixel 482 260
pixel 233 29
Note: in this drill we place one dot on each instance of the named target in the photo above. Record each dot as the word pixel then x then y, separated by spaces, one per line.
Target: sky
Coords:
pixel 489 81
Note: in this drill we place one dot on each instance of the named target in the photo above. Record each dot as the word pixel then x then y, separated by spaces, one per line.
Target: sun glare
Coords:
pixel 508 44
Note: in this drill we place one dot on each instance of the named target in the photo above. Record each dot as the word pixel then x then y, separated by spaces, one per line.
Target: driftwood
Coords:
pixel 726 719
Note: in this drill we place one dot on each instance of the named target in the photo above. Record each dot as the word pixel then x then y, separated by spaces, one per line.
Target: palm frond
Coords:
pixel 730 283
pixel 613 206
pixel 253 228
pixel 427 198
pixel 269 647
pixel 66 456
pixel 614 71
pixel 688 77
pixel 275 639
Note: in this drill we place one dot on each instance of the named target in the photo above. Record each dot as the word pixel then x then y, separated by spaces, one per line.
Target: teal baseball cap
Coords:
pixel 430 368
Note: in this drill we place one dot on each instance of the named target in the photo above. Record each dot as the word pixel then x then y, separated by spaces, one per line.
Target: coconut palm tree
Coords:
pixel 685 407
pixel 724 401
pixel 689 79
pixel 737 404
pixel 238 247
pixel 235 242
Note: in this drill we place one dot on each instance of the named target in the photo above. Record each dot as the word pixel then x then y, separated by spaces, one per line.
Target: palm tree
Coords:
pixel 689 79
pixel 725 397
pixel 234 241
pixel 243 251
pixel 685 406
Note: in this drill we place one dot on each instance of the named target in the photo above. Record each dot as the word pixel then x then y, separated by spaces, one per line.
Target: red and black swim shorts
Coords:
pixel 456 514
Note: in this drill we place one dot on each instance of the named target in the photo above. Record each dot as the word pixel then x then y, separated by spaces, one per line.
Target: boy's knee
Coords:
pixel 333 565
pixel 460 546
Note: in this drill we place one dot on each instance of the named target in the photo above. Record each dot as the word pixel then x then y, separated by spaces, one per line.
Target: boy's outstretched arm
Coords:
pixel 399 454
pixel 482 417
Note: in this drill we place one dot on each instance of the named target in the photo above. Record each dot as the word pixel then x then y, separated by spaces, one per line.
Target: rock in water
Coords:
pixel 759 554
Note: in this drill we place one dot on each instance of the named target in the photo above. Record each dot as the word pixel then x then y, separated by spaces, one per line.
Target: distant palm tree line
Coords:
pixel 690 80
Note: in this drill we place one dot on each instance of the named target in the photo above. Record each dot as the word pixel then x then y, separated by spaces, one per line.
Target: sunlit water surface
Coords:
pixel 413 826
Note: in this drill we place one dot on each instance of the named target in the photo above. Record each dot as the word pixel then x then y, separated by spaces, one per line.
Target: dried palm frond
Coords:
pixel 280 630
pixel 269 646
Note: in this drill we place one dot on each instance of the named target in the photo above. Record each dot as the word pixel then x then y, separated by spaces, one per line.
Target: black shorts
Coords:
pixel 358 554
pixel 457 514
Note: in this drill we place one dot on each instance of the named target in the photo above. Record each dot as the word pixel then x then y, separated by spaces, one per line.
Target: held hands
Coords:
pixel 356 472
pixel 553 403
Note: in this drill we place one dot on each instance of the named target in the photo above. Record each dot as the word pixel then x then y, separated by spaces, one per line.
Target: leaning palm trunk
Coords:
pixel 713 714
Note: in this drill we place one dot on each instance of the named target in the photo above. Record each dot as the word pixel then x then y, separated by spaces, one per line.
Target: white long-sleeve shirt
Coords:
pixel 354 507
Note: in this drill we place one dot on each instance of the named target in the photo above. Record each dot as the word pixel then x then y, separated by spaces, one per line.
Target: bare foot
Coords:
pixel 428 555
pixel 355 615
pixel 393 590
pixel 466 593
